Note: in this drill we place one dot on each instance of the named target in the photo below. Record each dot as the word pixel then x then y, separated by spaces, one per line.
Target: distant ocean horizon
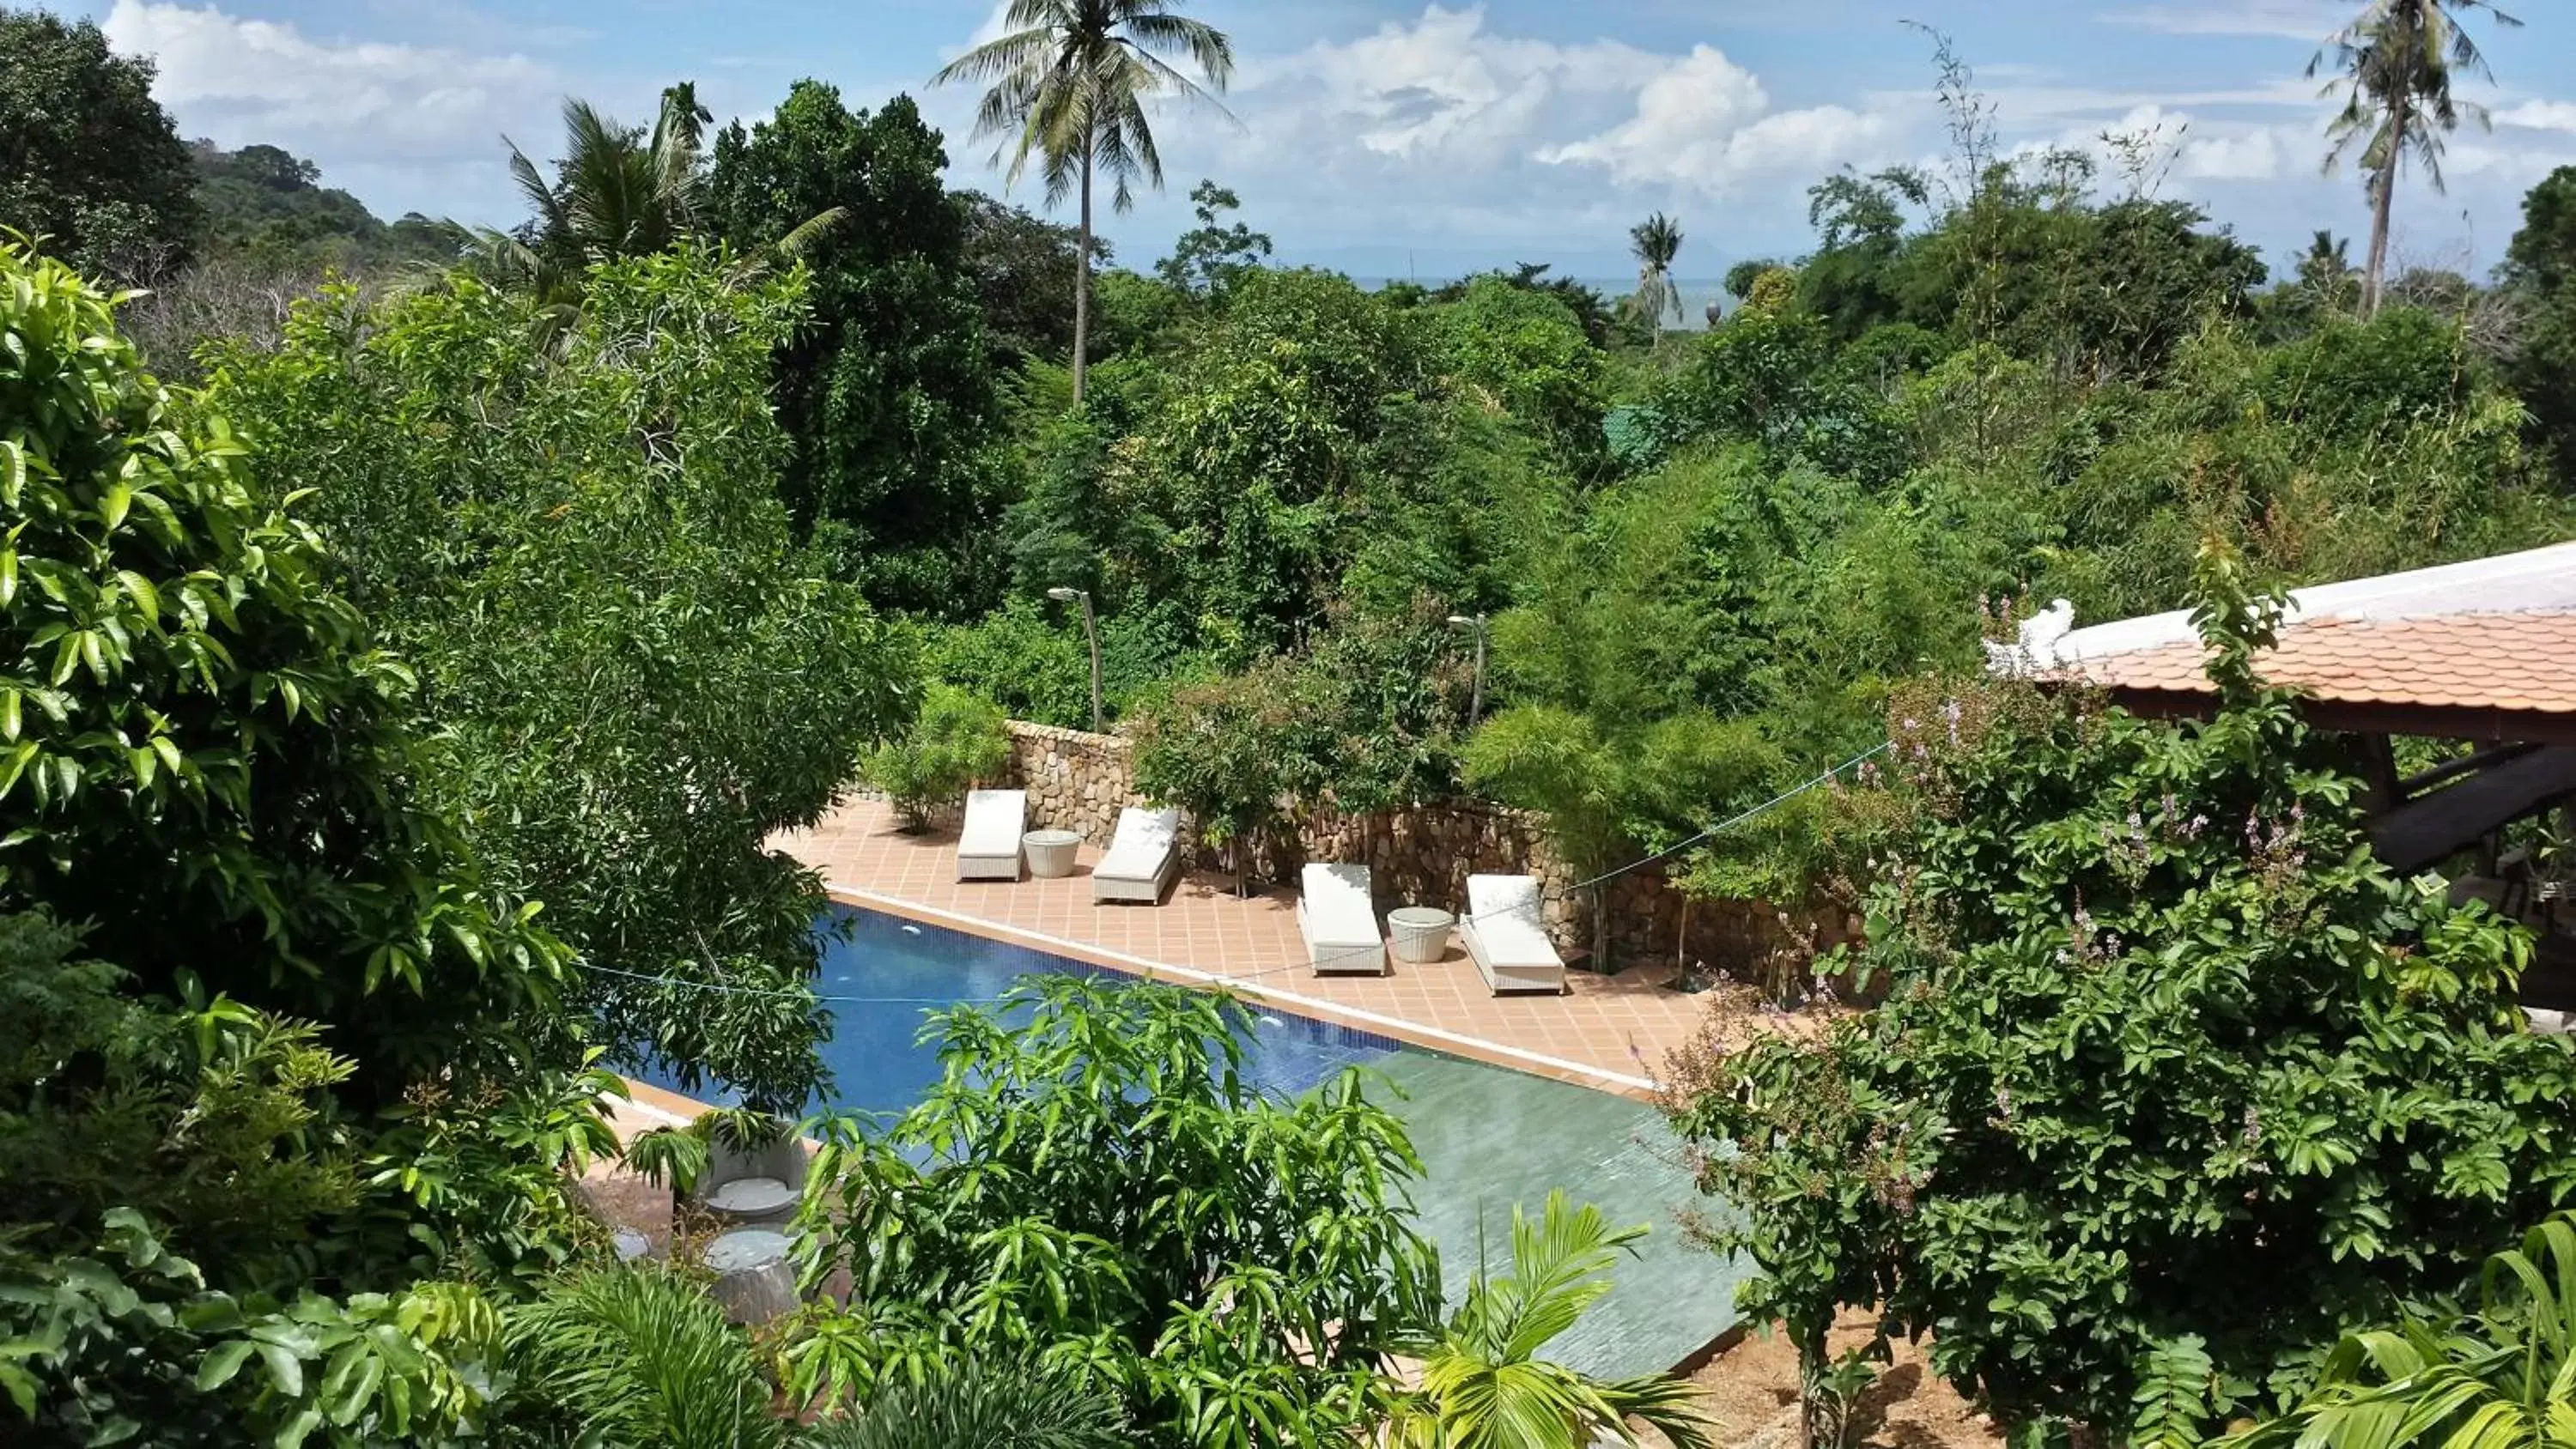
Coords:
pixel 1697 293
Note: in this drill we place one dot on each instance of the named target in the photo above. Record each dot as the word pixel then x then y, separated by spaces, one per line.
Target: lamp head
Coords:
pixel 1464 622
pixel 1064 596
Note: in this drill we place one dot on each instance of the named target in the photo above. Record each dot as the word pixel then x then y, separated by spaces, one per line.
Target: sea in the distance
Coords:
pixel 1696 295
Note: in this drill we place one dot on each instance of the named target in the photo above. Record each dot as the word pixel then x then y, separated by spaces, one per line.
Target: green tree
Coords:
pixel 90 166
pixel 1069 84
pixel 2540 267
pixel 1096 1182
pixel 1023 267
pixel 2157 1025
pixel 1655 242
pixel 271 204
pixel 579 542
pixel 886 393
pixel 195 718
pixel 1484 1385
pixel 1208 257
pixel 2394 65
pixel 295 1042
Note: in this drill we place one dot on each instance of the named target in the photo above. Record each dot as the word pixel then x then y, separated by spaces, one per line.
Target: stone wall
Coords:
pixel 1079 781
pixel 1076 780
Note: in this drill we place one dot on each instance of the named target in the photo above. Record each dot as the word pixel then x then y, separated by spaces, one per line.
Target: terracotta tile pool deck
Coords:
pixel 1612 1033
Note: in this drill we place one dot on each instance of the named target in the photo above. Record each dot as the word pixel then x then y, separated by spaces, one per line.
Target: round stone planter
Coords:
pixel 755 1280
pixel 1421 934
pixel 1050 852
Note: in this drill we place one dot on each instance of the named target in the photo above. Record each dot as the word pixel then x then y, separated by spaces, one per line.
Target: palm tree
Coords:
pixel 1069 86
pixel 1655 242
pixel 1484 1385
pixel 2325 270
pixel 2504 1378
pixel 2394 66
pixel 620 191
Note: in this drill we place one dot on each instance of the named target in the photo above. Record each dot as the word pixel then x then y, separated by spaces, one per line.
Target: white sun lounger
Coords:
pixel 1339 921
pixel 989 847
pixel 1143 857
pixel 1504 934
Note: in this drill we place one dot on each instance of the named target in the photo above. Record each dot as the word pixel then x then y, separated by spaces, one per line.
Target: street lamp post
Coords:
pixel 1476 696
pixel 1090 631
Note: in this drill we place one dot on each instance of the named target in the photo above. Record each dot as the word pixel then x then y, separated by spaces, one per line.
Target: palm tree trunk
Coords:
pixel 2383 200
pixel 1082 287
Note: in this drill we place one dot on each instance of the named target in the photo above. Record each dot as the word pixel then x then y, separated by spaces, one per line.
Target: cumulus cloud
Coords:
pixel 418 122
pixel 1704 122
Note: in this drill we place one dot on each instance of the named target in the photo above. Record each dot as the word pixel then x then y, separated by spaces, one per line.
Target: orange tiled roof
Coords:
pixel 2507 661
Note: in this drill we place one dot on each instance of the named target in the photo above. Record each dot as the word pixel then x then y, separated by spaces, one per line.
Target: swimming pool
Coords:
pixel 1488 1138
pixel 889 972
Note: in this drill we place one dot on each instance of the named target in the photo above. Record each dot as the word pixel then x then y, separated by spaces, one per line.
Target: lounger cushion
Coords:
pixel 994 822
pixel 1505 911
pixel 1338 908
pixel 1143 843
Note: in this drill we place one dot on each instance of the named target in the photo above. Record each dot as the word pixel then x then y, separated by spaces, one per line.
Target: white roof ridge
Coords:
pixel 2534 581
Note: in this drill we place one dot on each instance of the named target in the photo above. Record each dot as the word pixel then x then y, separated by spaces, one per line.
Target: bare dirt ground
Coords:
pixel 1750 1393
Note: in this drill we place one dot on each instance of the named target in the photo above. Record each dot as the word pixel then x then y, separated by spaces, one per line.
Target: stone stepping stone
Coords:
pixel 753 1200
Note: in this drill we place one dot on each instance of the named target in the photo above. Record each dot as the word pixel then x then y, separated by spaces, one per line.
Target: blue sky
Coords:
pixel 1381 136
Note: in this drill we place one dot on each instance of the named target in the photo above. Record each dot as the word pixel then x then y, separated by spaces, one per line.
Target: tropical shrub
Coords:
pixel 2157 1027
pixel 1096 1183
pixel 1483 1384
pixel 2500 1377
pixel 983 1406
pixel 578 542
pixel 131 1345
pixel 957 739
pixel 1221 750
pixel 636 1355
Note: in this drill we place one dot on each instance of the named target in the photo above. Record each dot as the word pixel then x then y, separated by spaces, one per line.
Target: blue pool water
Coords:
pixel 886 975
pixel 1489 1139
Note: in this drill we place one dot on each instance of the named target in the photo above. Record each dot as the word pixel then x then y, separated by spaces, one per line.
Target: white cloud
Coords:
pixel 417 124
pixel 2539 116
pixel 1706 123
pixel 2292 19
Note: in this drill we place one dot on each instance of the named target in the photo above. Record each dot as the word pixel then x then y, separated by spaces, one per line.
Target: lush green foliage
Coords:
pixel 1096 1183
pixel 132 1346
pixel 580 545
pixel 2541 270
pixel 2158 1027
pixel 1483 1384
pixel 886 392
pixel 295 1046
pixel 983 1406
pixel 192 717
pixel 89 163
pixel 2500 1378
pixel 638 1356
pixel 956 741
